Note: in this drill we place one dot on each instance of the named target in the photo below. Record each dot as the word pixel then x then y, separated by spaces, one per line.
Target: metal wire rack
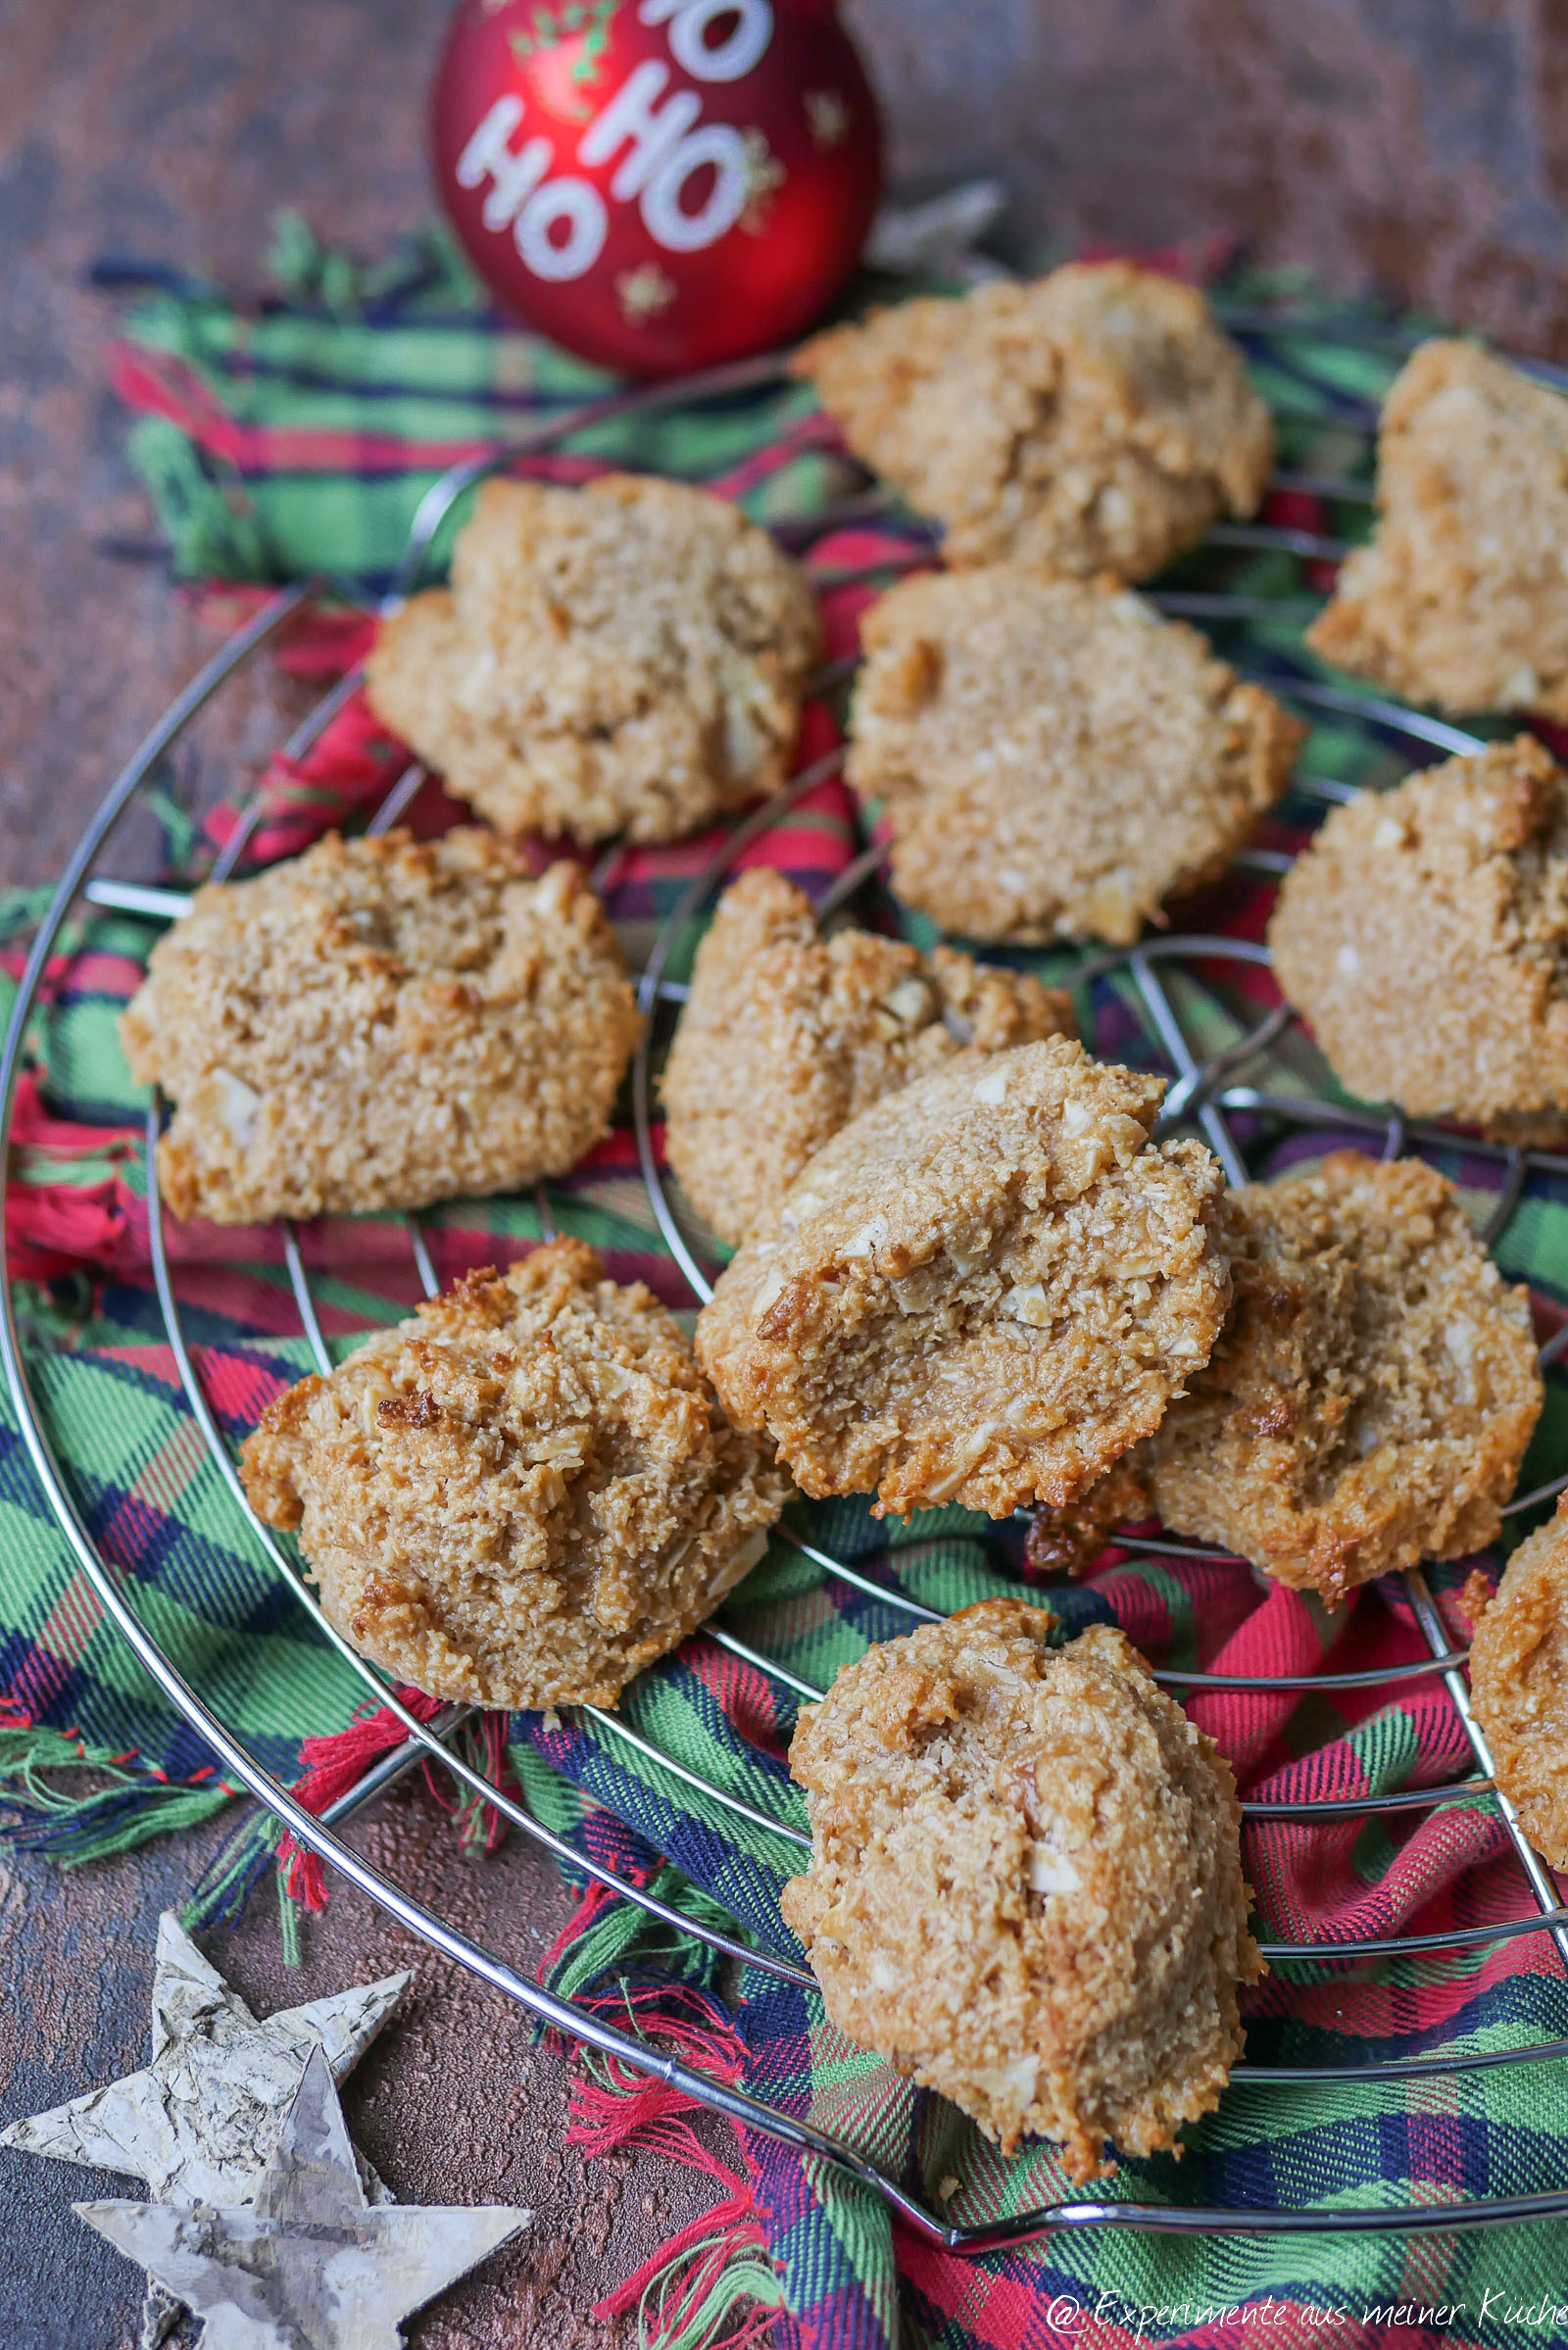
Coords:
pixel 1210 1093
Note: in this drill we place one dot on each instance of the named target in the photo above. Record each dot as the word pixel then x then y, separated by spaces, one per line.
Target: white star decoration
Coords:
pixel 200 2122
pixel 307 2263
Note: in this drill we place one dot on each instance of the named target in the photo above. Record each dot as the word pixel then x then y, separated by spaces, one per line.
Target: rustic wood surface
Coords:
pixel 1422 144
pixel 451 2104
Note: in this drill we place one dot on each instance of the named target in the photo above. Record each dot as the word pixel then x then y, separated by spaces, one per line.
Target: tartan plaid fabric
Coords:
pixel 289 440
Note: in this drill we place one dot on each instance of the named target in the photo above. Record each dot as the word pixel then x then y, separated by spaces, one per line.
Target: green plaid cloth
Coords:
pixel 299 438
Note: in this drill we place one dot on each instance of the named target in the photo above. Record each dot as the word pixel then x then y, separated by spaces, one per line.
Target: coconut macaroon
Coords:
pixel 1519 1684
pixel 1095 421
pixel 1025 1886
pixel 802 1033
pixel 523 1494
pixel 1368 1403
pixel 625 658
pixel 1461 597
pixel 1424 935
pixel 982 1290
pixel 1055 759
pixel 380 1023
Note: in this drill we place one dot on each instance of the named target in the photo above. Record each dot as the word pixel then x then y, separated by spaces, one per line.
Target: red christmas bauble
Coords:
pixel 657 185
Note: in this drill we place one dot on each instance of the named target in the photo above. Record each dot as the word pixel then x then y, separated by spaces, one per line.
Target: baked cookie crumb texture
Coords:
pixel 787 1036
pixel 1095 420
pixel 1461 597
pixel 1424 936
pixel 983 1290
pixel 1025 1886
pixel 1519 1684
pixel 1055 759
pixel 625 658
pixel 523 1494
pixel 381 1023
pixel 1368 1403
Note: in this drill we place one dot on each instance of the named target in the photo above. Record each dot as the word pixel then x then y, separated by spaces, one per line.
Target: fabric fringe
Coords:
pixel 712 2285
pixel 482 1744
pixel 604 1935
pixel 565 1950
pixel 332 1765
pixel 138 1803
pixel 335 1764
pixel 426 261
pixel 227 1882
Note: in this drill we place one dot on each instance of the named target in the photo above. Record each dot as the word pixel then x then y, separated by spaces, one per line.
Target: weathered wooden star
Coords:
pixel 201 2119
pixel 307 2263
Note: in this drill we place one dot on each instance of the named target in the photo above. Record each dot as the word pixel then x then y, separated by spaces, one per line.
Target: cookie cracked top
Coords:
pixel 1460 598
pixel 1424 934
pixel 381 1023
pixel 1025 1885
pixel 984 1289
pixel 1098 420
pixel 1370 1397
pixel 807 1031
pixel 1054 759
pixel 524 1494
pixel 625 657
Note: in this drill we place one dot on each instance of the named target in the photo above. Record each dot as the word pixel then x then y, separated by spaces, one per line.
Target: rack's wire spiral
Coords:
pixel 1212 1093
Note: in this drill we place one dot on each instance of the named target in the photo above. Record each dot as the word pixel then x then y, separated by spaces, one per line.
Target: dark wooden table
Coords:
pixel 1425 148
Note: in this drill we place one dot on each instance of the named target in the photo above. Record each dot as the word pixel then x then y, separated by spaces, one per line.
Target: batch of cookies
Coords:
pixel 967 1267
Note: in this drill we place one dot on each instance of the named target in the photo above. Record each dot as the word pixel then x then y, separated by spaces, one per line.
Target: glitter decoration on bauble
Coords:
pixel 658 186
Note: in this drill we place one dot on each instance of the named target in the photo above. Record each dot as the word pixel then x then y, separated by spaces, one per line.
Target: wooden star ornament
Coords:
pixel 200 2120
pixel 308 2262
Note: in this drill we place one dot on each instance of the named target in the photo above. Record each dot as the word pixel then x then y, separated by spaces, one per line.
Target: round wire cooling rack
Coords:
pixel 1209 1091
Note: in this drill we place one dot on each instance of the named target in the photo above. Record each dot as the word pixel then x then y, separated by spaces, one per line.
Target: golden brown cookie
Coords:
pixel 1519 1684
pixel 1095 421
pixel 522 1495
pixel 1461 597
pixel 982 1290
pixel 1025 1885
pixel 1056 761
pixel 787 1036
pixel 1368 1403
pixel 1424 935
pixel 625 658
pixel 379 1023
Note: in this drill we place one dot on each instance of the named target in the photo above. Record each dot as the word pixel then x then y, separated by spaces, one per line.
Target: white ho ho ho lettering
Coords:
pixel 666 144
pixel 513 176
pixel 662 152
pixel 743 47
pixel 524 200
